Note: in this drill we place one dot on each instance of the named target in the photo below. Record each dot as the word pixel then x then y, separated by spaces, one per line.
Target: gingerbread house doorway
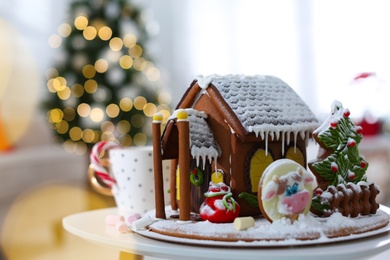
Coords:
pixel 200 179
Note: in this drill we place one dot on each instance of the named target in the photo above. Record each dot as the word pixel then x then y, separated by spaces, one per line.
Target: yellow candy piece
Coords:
pixel 217 177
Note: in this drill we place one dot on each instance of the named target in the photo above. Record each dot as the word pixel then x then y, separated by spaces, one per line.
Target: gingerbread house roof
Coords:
pixel 250 105
pixel 202 142
pixel 263 105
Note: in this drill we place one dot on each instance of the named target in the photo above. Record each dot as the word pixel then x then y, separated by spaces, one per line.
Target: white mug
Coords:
pixel 133 179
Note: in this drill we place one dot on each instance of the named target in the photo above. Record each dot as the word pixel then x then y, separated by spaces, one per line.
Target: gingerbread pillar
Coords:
pixel 183 126
pixel 172 186
pixel 157 163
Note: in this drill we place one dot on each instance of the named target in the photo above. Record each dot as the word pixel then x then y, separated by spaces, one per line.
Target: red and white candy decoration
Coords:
pixel 96 161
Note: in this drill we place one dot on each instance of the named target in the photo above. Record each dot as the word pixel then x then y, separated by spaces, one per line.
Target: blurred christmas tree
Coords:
pixel 104 86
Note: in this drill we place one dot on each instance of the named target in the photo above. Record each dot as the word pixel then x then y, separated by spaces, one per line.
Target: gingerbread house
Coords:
pixel 229 128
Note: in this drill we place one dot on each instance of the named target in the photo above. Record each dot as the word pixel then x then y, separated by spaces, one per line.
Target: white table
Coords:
pixel 90 225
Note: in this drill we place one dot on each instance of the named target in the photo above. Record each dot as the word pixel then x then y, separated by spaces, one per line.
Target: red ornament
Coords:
pixel 363 164
pixel 351 175
pixel 359 129
pixel 346 113
pixel 351 142
pixel 334 124
pixel 334 167
pixel 318 192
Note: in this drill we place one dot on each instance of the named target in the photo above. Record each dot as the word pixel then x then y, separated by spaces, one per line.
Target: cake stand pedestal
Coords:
pixel 90 225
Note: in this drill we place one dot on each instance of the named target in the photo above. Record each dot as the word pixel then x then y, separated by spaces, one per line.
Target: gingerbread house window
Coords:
pixel 256 162
pixel 259 162
pixel 295 153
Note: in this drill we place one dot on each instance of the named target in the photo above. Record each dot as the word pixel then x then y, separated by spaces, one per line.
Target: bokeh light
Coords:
pixel 89 71
pixel 55 41
pixel 62 127
pixel 88 135
pixel 77 90
pixel 112 110
pixel 150 109
pixel 83 110
pixel 97 114
pixel 129 40
pixel 81 22
pixel 123 126
pixel 116 44
pixel 139 64
pixel 126 140
pixel 105 33
pixel 64 29
pixel 90 33
pixel 140 102
pixel 140 139
pixel 107 126
pixel 90 86
pixel 153 74
pixel 135 51
pixel 69 113
pixel 126 62
pixel 126 104
pixel 55 115
pixel 101 65
pixel 64 93
pixel 75 133
pixel 137 121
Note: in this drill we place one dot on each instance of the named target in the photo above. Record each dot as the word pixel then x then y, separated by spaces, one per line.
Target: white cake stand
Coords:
pixel 90 225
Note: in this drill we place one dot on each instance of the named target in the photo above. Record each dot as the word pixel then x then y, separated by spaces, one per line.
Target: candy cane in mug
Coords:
pixel 96 161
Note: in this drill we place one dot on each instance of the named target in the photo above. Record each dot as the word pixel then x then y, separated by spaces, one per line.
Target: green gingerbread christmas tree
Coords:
pixel 339 166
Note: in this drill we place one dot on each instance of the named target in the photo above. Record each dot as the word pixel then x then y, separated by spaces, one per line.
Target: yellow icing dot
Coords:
pixel 158 117
pixel 182 115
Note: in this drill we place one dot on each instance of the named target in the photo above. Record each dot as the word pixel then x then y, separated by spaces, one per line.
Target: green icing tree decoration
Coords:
pixel 339 161
pixel 104 85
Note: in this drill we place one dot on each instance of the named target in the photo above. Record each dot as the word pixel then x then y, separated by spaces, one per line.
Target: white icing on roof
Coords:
pixel 264 104
pixel 189 111
pixel 202 142
pixel 204 81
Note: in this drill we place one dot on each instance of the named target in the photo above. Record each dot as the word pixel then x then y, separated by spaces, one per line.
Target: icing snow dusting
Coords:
pixel 282 231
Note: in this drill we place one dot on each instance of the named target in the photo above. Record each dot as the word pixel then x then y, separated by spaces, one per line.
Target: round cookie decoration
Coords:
pixel 285 190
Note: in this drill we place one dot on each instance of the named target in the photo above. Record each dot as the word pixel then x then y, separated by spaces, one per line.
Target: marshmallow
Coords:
pixel 133 217
pixel 243 223
pixel 121 227
pixel 111 220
